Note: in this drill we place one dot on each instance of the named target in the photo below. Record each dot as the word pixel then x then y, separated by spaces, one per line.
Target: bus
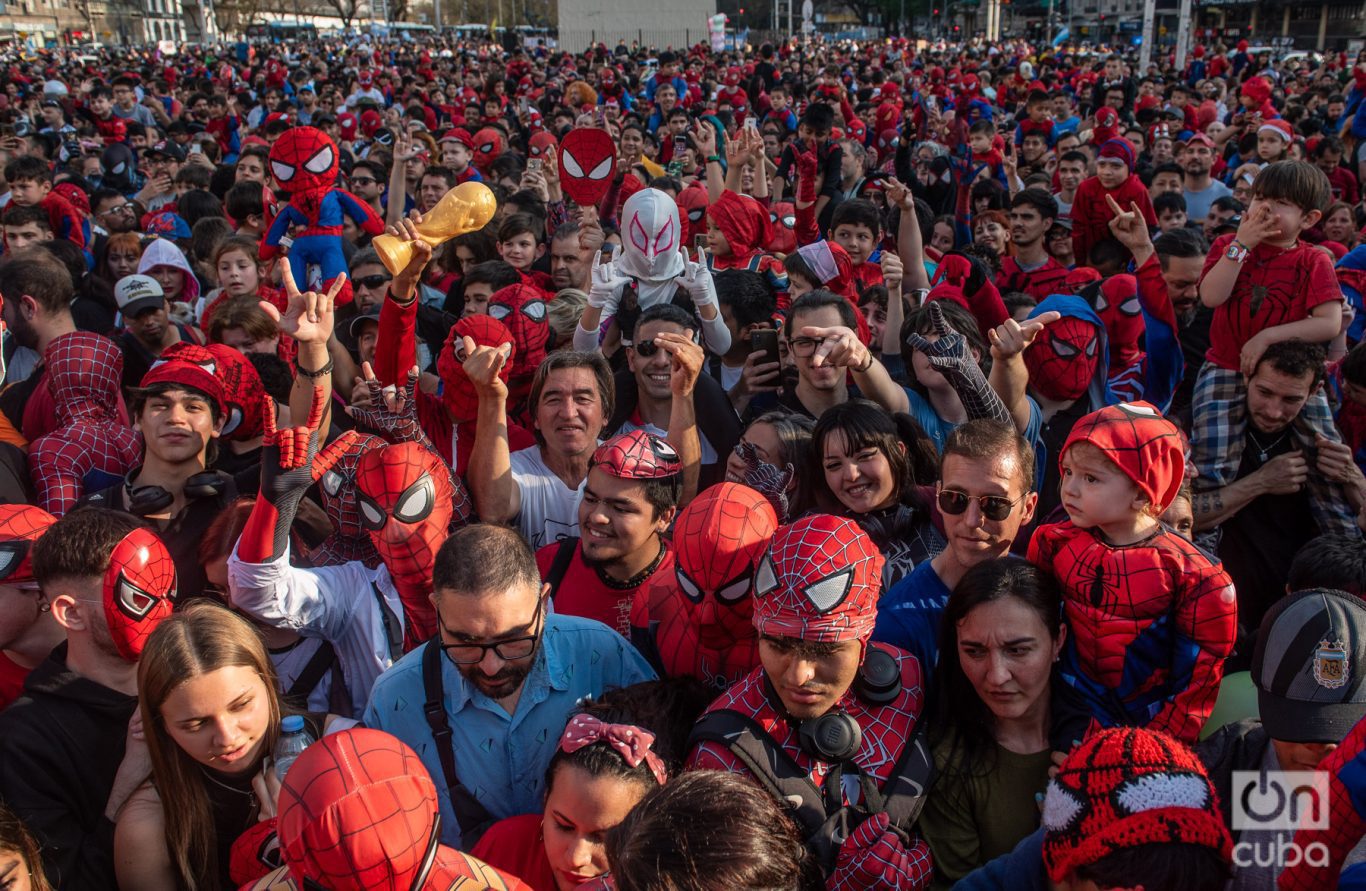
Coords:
pixel 281 32
pixel 406 31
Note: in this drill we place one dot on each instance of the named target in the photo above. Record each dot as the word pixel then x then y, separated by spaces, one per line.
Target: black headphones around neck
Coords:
pixel 835 736
pixel 144 501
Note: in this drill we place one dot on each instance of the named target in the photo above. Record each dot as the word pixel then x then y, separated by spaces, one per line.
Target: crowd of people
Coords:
pixel 815 465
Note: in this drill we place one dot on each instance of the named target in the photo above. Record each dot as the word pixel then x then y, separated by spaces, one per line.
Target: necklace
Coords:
pixel 249 793
pixel 635 580
pixel 1264 448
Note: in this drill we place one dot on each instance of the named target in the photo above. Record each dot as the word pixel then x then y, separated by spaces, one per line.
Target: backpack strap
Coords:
pixel 322 660
pixel 473 817
pixel 564 554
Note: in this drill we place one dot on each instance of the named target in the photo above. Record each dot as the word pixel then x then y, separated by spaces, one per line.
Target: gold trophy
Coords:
pixel 467 207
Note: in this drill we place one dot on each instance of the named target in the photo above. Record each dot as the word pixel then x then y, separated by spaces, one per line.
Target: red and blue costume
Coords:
pixel 1152 622
pixel 304 163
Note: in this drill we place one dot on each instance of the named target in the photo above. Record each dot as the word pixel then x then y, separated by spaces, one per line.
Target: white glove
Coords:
pixel 605 283
pixel 697 281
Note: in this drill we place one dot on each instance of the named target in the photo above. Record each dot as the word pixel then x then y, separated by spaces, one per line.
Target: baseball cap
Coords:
pixel 1202 138
pixel 167 148
pixel 136 293
pixel 1308 666
pixel 370 315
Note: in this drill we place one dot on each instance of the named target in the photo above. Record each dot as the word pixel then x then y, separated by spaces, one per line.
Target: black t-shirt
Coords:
pixel 1260 540
pixel 1194 340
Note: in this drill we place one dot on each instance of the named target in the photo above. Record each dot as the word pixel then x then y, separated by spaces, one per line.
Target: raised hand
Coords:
pixel 705 138
pixel 404 285
pixel 893 270
pixel 1011 338
pixel 308 316
pixel 898 195
pixel 482 366
pixel 605 283
pixel 290 461
pixel 839 347
pixel 766 479
pixel 1258 225
pixel 1128 226
pixel 697 280
pixel 686 365
pixel 949 350
pixel 390 410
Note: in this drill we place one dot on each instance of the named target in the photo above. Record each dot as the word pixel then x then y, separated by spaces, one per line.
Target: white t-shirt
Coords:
pixel 730 376
pixel 708 453
pixel 550 509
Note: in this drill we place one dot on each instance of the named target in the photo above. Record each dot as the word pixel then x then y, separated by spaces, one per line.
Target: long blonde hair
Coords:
pixel 201 638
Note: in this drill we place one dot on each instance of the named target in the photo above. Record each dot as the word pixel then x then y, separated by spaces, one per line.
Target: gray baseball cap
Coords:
pixel 1309 666
pixel 135 293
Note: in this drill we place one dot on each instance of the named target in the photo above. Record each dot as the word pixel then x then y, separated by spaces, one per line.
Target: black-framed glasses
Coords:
pixel 374 281
pixel 363 181
pixel 511 650
pixel 803 347
pixel 994 507
pixel 646 348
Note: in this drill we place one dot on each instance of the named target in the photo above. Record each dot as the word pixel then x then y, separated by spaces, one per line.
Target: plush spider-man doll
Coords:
pixel 93 448
pixel 697 622
pixel 139 588
pixel 732 94
pixel 1151 621
pixel 358 812
pixel 304 162
pixel 817 587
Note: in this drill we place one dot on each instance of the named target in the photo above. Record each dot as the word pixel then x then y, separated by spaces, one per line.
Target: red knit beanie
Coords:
pixel 1126 787
pixel 1119 148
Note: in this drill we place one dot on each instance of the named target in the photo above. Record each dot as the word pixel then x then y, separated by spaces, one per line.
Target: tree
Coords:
pixel 346 10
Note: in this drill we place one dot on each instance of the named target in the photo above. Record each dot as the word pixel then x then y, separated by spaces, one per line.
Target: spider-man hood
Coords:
pixel 651 236
pixel 744 223
pixel 162 252
pixel 1072 306
pixel 83 374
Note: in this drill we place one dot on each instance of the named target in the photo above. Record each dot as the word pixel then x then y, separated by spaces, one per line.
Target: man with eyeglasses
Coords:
pixel 367 183
pixel 484 701
pixel 113 213
pixel 985 496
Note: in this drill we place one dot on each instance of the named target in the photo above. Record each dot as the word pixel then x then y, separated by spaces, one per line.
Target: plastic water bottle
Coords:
pixel 294 738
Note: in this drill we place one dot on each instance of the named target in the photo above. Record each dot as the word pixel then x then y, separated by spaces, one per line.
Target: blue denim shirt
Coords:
pixel 502 758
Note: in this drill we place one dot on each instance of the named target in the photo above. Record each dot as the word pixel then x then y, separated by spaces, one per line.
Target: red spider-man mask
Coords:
pixel 1116 302
pixel 692 212
pixel 784 218
pixel 488 144
pixel 304 159
pixel 522 309
pixel 541 144
pixel 457 393
pixel 139 588
pixel 341 499
pixel 243 392
pixel 718 540
pixel 1146 447
pixel 588 158
pixel 20 526
pixel 1062 360
pixel 358 810
pixel 637 456
pixel 819 581
pixel 405 505
pixel 732 76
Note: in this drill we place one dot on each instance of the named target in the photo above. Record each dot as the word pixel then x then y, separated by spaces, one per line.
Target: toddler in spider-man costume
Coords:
pixel 1150 616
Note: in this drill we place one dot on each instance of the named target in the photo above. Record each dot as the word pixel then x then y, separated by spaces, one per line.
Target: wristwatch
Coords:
pixel 1237 251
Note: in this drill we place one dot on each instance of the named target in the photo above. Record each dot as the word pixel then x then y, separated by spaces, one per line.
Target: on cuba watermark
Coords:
pixel 1268 806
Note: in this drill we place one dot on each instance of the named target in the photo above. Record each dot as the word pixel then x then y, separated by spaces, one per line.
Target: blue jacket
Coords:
pixel 1020 870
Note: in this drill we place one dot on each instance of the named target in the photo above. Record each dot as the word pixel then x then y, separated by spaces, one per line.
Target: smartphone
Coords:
pixel 7 130
pixel 196 149
pixel 699 244
pixel 765 340
pixel 533 165
pixel 680 146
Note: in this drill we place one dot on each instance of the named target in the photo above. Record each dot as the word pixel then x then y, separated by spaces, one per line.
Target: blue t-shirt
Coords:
pixel 908 616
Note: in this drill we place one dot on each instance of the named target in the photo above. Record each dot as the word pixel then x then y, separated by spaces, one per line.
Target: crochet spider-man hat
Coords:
pixel 1125 787
pixel 1145 446
pixel 637 456
pixel 819 581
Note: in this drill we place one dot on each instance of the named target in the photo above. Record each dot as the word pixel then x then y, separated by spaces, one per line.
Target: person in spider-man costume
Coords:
pixel 815 601
pixel 139 589
pixel 1070 358
pixel 698 622
pixel 521 309
pixel 31 628
pixel 1134 310
pixel 358 812
pixel 784 217
pixel 304 163
pixel 341 502
pixel 93 448
pixel 488 145
pixel 692 212
pixel 733 94
pixel 1152 617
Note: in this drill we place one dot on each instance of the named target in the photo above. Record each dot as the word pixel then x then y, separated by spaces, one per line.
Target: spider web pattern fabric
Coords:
pixel 1146 447
pixel 1150 626
pixel 886 730
pixel 20 526
pixel 93 448
pixel 139 588
pixel 697 621
pixel 819 581
pixel 341 502
pixel 1346 769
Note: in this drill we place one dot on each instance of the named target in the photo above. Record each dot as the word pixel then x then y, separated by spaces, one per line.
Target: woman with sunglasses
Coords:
pixel 993 731
pixel 868 466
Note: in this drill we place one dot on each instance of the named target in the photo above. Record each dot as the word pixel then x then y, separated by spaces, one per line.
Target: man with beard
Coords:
pixel 1199 188
pixel 37 310
pixel 1032 270
pixel 497 682
pixel 72 748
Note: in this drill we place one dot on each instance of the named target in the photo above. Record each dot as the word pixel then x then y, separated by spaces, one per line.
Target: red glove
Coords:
pixel 255 853
pixel 806 177
pixel 879 856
